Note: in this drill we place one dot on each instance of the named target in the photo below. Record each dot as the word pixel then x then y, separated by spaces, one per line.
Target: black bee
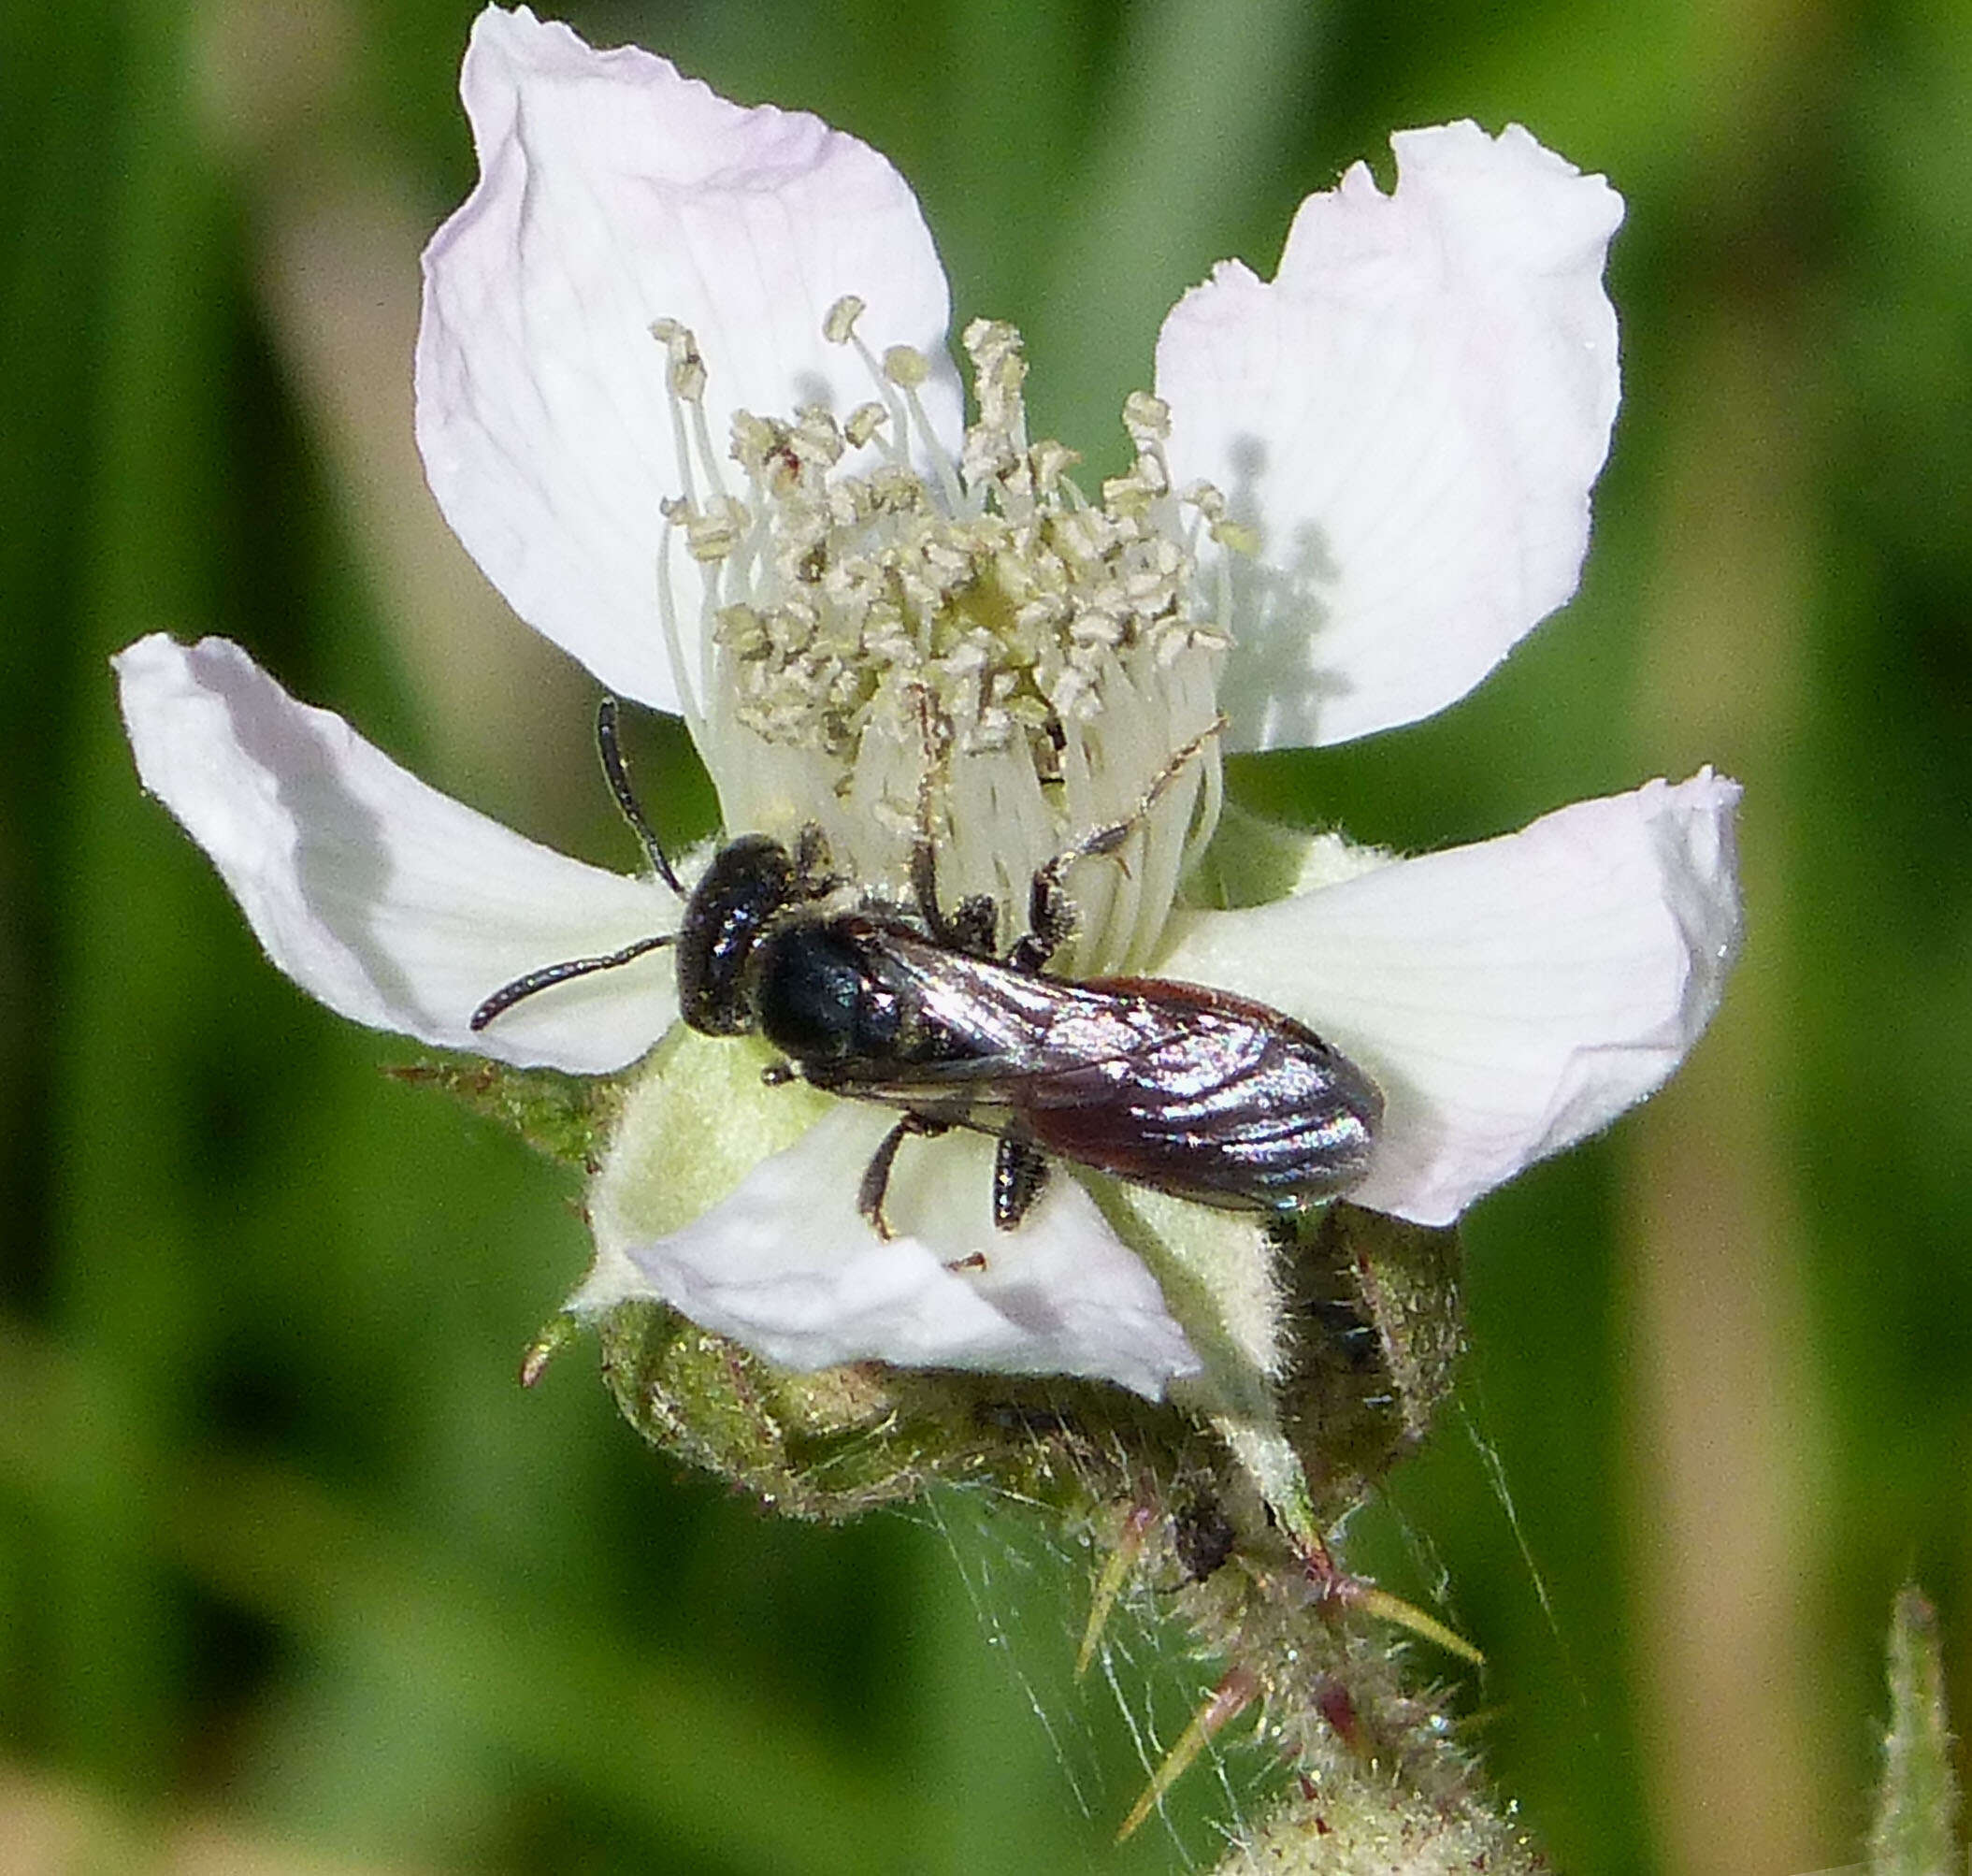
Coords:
pixel 1188 1091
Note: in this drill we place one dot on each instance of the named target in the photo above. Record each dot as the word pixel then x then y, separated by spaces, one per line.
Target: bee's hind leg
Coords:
pixel 1019 1177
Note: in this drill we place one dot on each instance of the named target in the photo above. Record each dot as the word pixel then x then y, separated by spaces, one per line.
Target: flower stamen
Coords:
pixel 1058 645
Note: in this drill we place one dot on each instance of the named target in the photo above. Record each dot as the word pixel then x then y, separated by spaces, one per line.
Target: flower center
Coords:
pixel 889 638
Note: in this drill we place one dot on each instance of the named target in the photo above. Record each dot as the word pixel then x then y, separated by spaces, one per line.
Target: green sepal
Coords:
pixel 1251 860
pixel 836 1442
pixel 1379 1330
pixel 569 1118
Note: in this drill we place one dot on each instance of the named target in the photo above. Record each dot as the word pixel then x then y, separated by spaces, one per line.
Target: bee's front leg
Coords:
pixel 1050 912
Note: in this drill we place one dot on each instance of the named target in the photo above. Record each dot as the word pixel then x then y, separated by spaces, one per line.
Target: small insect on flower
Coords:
pixel 1191 1091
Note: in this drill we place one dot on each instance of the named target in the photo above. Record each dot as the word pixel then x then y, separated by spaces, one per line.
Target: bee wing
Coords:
pixel 1214 1099
pixel 1191 1090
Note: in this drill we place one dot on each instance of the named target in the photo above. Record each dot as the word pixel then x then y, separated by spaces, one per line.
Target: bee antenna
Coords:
pixel 549 975
pixel 616 772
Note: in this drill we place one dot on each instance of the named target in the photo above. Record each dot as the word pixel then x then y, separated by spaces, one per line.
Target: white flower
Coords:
pixel 1369 476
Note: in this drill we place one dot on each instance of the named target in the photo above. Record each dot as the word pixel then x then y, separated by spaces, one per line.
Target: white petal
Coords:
pixel 392 904
pixel 1510 998
pixel 789 1266
pixel 1412 413
pixel 612 193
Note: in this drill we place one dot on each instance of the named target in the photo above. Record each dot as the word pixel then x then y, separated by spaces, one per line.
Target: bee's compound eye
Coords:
pixel 750 880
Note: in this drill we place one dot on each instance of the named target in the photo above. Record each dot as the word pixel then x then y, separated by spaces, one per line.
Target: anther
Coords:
pixel 839 322
pixel 712 533
pixel 686 367
pixel 1025 607
pixel 864 422
pixel 905 366
pixel 1146 418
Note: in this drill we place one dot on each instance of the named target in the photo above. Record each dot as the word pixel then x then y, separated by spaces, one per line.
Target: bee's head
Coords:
pixel 748 883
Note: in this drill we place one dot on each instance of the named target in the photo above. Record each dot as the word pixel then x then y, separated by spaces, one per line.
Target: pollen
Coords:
pixel 894 642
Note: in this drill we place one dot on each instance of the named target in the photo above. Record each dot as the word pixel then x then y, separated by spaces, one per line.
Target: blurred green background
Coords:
pixel 292 1577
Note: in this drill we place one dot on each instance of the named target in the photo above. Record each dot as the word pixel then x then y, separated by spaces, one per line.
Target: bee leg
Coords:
pixel 1019 1173
pixel 1050 917
pixel 923 880
pixel 975 926
pixel 876 1174
pixel 960 930
pixel 924 843
pixel 814 869
pixel 1050 913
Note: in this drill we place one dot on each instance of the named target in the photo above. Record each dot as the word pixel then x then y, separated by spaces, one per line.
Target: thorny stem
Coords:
pixel 1343 1698
pixel 1228 1537
pixel 1109 1584
pixel 1218 1516
pixel 1238 1688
